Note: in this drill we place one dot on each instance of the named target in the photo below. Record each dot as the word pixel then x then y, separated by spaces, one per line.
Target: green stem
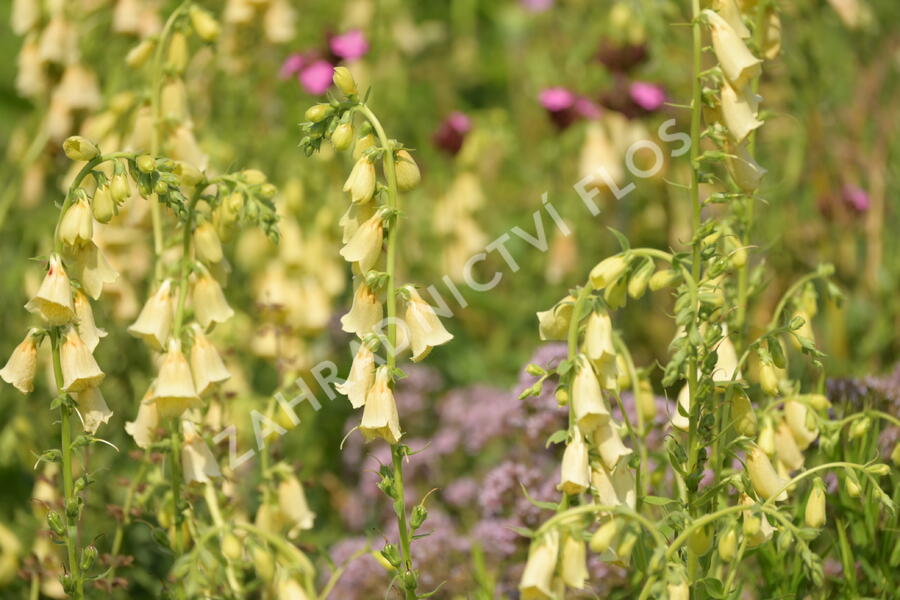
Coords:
pixel 71 507
pixel 126 514
pixel 212 502
pixel 637 437
pixel 185 270
pixel 175 466
pixel 390 173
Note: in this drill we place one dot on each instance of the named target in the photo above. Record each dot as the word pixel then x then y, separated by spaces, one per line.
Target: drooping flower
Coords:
pixel 365 313
pixel 425 328
pixel 93 409
pixel 90 268
pixel 155 319
pixel 797 416
pixel 350 45
pixel 207 367
pixel 553 324
pixel 361 377
pixel 573 561
pixel 609 444
pixel 365 245
pixel 79 369
pixel 53 300
pixel 380 418
pixel 174 391
pixel 21 367
pixel 537 578
pixel 144 426
pixel 737 62
pixel 575 476
pixel 598 341
pixel 814 514
pixel 765 480
pixel 292 504
pixel 588 404
pixel 786 448
pixel 197 461
pixel 84 316
pixel 361 181
pixel 739 109
pixel 208 300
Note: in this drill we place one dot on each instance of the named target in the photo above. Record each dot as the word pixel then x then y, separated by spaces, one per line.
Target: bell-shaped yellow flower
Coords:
pixel 53 300
pixel 425 328
pixel 380 418
pixel 79 369
pixel 174 390
pixel 361 377
pixel 361 181
pixel 364 247
pixel 762 474
pixel 537 578
pixel 93 409
pixel 84 316
pixel 21 367
pixel 575 476
pixel 197 461
pixel 365 313
pixel 207 367
pixel 588 404
pixel 155 319
pixel 208 300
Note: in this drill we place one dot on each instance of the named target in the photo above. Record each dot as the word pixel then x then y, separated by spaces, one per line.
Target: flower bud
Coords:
pixel 21 367
pixel 139 54
pixel 361 181
pixel 678 591
pixel 145 163
pixel 408 175
pixel 79 148
pixel 662 279
pixel 263 563
pixel 103 206
pixel 204 24
pixel 207 244
pixel 878 469
pixel 608 271
pixel 637 283
pixel 786 447
pixel 188 173
pixel 615 295
pixel 232 548
pixel 553 324
pixel 814 515
pixel 119 188
pixel 604 536
pixel 362 144
pixel 392 555
pixel 626 546
pixel 418 515
pixel 343 80
pixel 859 428
pixel 700 541
pixel 765 480
pixel 768 379
pixel 895 454
pixel 177 58
pixel 318 112
pixel 728 545
pixel 798 418
pixel 88 556
pixel 342 137
pixel 743 414
pixel 55 521
pixel 852 485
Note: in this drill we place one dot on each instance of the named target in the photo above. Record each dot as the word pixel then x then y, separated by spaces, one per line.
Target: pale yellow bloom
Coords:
pixel 197 461
pixel 174 390
pixel 554 323
pixel 798 419
pixel 679 420
pixel 588 404
pixel 207 367
pixel 598 339
pixel 739 109
pixel 408 175
pixel 208 300
pixel 361 377
pixel 361 182
pixel 573 562
pixel 380 418
pixel 207 243
pixel 79 369
pixel 289 589
pixel 756 526
pixel 425 328
pixel 365 312
pixel 609 444
pixel 87 329
pixel 91 269
pixel 786 447
pixel 144 426
pixel 576 472
pixel 814 514
pixel 77 225
pixel 765 480
pixel 292 504
pixel 737 62
pixel 537 578
pixel 21 367
pixel 364 247
pixel 608 271
pixel 747 172
pixel 155 320
pixel 92 408
pixel 53 300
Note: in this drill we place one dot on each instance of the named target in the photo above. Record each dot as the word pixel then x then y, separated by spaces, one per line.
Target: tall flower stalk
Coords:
pixel 419 329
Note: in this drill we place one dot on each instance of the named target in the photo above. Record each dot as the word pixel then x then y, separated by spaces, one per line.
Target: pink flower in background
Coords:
pixel 460 122
pixel 648 96
pixel 536 6
pixel 316 78
pixel 350 45
pixel 291 65
pixel 855 197
pixel 587 108
pixel 452 132
pixel 556 99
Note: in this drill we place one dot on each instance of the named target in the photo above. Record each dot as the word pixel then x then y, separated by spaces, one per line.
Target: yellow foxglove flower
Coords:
pixel 53 300
pixel 798 418
pixel 737 62
pixel 351 220
pixel 77 225
pixel 174 391
pixel 91 269
pixel 362 144
pixel 84 316
pixel 573 562
pixel 365 245
pixel 575 476
pixel 207 367
pixel 145 424
pixel 155 320
pixel 79 369
pixel 425 328
pixel 678 591
pixel 380 418
pixel 814 515
pixel 605 536
pixel 608 271
pixel 408 175
pixel 739 109
pixel 728 545
pixel 613 488
pixel 786 447
pixel 361 182
pixel 766 438
pixel 365 313
pixel 757 529
pixel 728 10
pixel 747 173
pixel 537 578
pixel 554 323
pixel 726 361
pixel 609 444
pixel 103 206
pixel 206 241
pixel 208 300
pixel 197 462
pixel 361 377
pixel 588 404
pixel 289 589
pixel 292 504
pixel 598 340
pixel 92 408
pixel 204 24
pixel 21 367
pixel 762 474
pixel 679 420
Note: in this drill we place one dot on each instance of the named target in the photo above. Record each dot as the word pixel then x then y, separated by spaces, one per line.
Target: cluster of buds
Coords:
pixel 366 225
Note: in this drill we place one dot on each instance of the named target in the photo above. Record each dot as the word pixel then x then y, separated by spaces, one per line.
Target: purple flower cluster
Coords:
pixel 314 68
pixel 878 391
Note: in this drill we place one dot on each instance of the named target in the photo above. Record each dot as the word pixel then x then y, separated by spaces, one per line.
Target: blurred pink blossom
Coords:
pixel 292 65
pixel 316 78
pixel 855 197
pixel 350 45
pixel 536 6
pixel 556 99
pixel 648 96
pixel 587 108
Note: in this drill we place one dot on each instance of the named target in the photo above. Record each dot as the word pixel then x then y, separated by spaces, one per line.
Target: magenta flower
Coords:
pixel 291 65
pixel 316 78
pixel 556 99
pixel 648 96
pixel 536 6
pixel 350 45
pixel 587 108
pixel 452 132
pixel 855 197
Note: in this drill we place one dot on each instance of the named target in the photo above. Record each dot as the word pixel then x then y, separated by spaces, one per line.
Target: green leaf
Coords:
pixel 714 588
pixel 620 237
pixel 658 500
pixel 557 437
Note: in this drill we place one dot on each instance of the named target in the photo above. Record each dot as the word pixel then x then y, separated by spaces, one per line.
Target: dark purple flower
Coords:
pixel 621 58
pixel 452 131
pixel 350 45
pixel 648 96
pixel 855 198
pixel 316 77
